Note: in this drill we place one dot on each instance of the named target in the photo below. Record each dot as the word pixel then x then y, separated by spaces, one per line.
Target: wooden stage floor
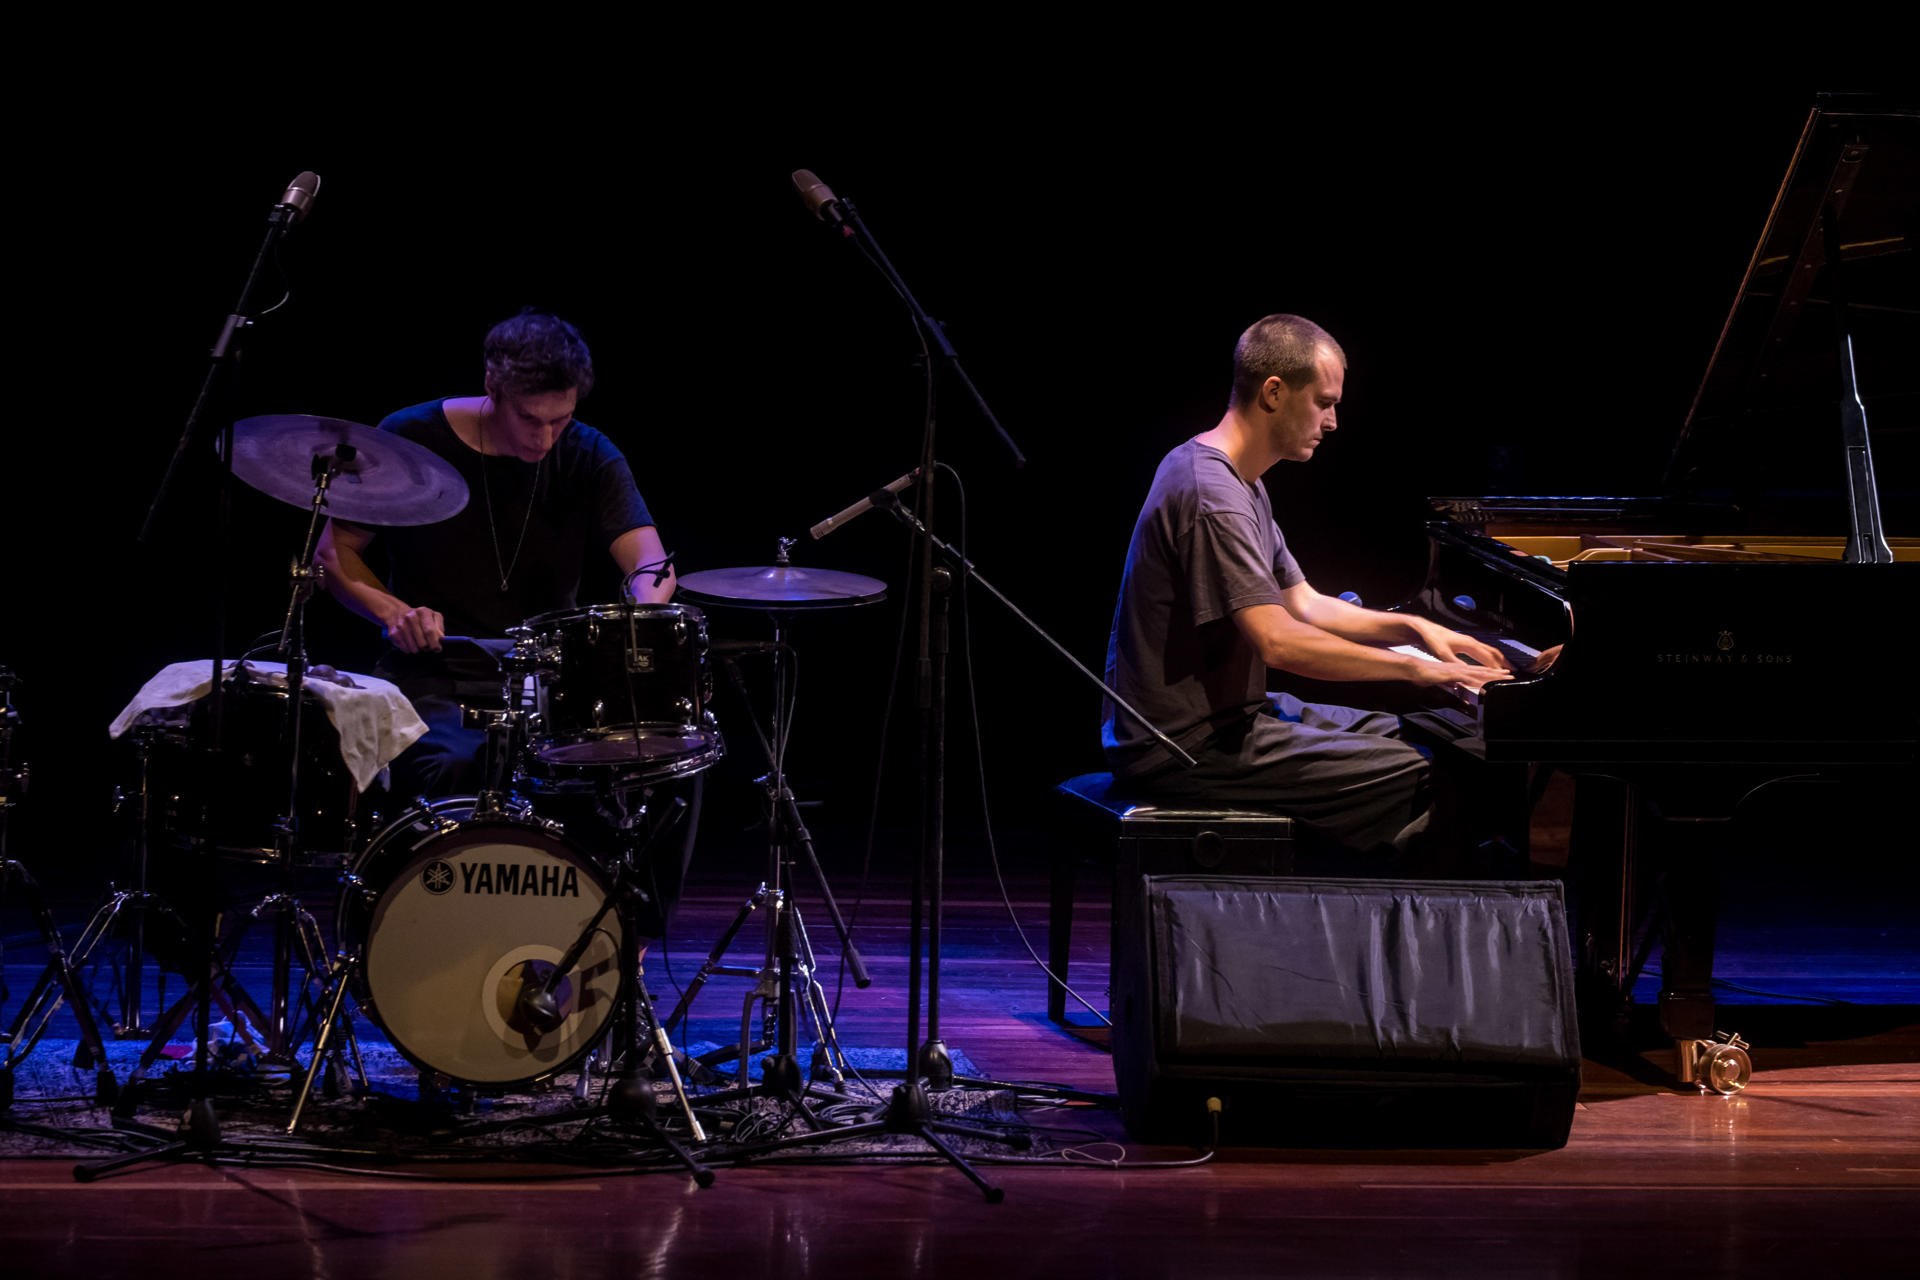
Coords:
pixel 1814 1170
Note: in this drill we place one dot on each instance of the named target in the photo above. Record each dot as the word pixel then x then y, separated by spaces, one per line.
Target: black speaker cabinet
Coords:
pixel 1344 1013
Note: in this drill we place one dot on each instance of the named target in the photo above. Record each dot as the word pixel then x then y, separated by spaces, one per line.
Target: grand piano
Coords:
pixel 1752 623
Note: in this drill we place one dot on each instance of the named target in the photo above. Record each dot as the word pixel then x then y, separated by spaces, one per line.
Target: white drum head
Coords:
pixel 470 918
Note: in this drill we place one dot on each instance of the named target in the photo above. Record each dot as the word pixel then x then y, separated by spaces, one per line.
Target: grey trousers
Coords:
pixel 1346 773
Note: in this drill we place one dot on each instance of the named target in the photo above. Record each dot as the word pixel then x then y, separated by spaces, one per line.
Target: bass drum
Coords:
pixel 452 916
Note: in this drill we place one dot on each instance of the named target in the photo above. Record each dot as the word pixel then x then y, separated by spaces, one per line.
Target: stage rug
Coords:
pixel 53 1113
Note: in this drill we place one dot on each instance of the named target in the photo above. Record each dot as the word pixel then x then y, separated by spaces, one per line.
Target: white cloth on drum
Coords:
pixel 373 718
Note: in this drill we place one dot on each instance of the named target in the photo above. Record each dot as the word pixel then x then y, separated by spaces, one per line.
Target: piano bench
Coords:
pixel 1103 823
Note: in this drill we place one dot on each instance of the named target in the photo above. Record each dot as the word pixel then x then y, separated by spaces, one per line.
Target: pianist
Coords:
pixel 1210 598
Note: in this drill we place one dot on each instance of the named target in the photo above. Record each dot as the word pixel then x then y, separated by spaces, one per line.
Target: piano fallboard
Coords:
pixel 1721 661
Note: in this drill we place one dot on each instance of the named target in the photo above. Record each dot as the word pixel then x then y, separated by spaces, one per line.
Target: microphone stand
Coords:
pixel 929 1059
pixel 199 1134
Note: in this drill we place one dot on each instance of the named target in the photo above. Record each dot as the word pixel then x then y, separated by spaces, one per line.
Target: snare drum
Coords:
pixel 452 917
pixel 621 694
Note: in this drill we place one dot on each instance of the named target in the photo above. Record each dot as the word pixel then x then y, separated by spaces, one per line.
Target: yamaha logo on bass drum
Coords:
pixel 530 880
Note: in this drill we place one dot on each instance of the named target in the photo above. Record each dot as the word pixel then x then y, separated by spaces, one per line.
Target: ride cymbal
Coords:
pixel 389 481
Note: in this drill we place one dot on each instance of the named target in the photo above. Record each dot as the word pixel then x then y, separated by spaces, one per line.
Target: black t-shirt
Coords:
pixel 585 498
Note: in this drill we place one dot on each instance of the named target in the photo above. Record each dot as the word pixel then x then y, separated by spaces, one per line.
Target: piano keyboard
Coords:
pixel 1522 656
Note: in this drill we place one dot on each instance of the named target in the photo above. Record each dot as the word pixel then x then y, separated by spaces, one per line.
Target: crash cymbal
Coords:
pixel 390 481
pixel 786 586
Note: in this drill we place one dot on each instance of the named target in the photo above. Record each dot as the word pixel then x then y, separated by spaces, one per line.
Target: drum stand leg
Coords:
pixel 292 923
pixel 135 902
pixel 58 980
pixel 335 996
pixel 828 1056
pixel 773 980
pixel 218 985
pixel 780 1074
pixel 716 960
pixel 630 1102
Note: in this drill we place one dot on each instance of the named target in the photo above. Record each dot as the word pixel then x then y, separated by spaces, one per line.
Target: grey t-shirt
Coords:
pixel 1205 546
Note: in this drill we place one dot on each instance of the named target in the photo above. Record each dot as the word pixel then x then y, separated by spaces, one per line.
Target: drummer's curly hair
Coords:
pixel 537 352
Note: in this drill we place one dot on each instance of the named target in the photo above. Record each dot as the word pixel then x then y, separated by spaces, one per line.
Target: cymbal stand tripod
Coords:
pixel 136 903
pixel 59 972
pixel 789 966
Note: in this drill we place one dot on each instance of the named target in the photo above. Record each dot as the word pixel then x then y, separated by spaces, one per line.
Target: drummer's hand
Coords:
pixel 417 630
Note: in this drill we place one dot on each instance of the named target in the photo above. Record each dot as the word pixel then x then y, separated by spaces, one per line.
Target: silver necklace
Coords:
pixel 486 489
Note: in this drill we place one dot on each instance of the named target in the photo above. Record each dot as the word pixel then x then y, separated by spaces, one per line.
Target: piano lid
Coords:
pixel 1765 422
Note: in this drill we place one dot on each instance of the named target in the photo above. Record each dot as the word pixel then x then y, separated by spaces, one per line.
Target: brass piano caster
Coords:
pixel 1719 1065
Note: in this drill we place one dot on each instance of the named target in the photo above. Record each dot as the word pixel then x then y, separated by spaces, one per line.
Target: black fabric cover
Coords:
pixel 1364 969
pixel 1332 1012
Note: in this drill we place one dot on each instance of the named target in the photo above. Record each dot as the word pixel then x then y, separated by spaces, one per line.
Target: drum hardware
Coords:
pixel 330 1023
pixel 231 996
pixel 59 979
pixel 291 920
pixel 136 902
pixel 785 983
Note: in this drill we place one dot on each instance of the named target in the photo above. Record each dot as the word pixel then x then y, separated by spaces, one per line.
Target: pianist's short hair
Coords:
pixel 536 352
pixel 1278 346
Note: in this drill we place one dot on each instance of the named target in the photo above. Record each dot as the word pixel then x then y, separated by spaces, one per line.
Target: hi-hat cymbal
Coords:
pixel 786 586
pixel 390 481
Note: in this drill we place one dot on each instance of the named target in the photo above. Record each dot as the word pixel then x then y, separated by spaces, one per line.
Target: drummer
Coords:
pixel 545 492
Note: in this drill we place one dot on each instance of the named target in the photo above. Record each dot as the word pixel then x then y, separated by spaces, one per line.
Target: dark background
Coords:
pixel 1527 279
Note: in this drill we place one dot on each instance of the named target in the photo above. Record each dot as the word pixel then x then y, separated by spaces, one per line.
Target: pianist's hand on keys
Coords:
pixel 1468 677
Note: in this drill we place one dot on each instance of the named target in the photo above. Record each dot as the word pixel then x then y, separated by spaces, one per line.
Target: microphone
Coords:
pixel 298 199
pixel 863 506
pixel 821 202
pixel 537 1007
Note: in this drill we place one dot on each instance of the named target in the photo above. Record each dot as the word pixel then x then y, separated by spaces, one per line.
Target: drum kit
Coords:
pixel 493 938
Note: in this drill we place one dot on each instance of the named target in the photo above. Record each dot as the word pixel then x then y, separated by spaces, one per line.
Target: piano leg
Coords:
pixel 1692 850
pixel 1644 867
pixel 1601 868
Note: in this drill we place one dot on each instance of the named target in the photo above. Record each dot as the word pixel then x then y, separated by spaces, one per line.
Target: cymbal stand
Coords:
pixel 293 925
pixel 290 917
pixel 91 1052
pixel 136 903
pixel 789 965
